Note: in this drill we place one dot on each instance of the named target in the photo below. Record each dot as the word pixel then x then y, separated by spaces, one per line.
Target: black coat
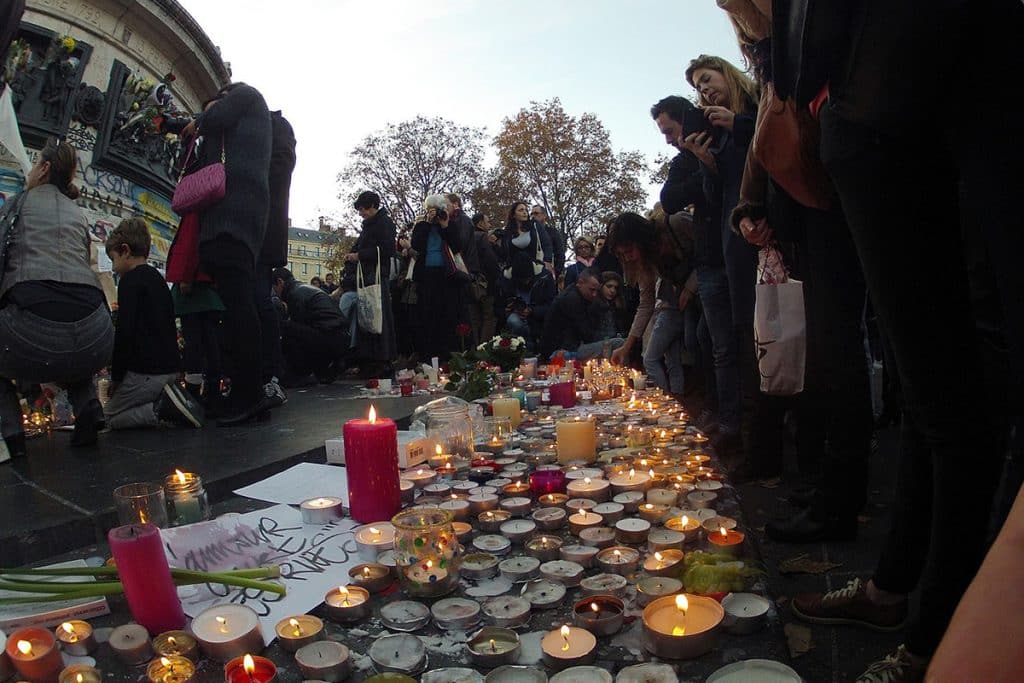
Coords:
pixel 685 186
pixel 241 121
pixel 378 232
pixel 282 162
pixel 569 323
pixel 418 241
pixel 309 305
pixel 467 233
pixel 490 267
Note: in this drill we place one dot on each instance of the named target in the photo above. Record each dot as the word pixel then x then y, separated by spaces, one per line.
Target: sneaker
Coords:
pixel 274 393
pixel 850 605
pixel 177 406
pixel 899 667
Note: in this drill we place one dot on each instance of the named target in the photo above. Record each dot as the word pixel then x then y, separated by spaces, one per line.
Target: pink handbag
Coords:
pixel 201 188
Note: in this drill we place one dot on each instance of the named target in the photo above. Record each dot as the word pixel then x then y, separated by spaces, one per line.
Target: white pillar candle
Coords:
pixel 576 439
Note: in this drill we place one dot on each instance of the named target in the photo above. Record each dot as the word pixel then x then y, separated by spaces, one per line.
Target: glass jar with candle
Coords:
pixel 187 501
pixel 426 551
pixel 448 423
pixel 498 434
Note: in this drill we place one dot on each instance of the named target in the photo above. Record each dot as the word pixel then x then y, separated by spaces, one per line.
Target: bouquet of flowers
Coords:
pixel 505 351
pixel 470 378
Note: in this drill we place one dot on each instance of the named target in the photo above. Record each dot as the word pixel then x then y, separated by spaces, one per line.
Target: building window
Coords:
pixel 318 269
pixel 305 268
pixel 318 252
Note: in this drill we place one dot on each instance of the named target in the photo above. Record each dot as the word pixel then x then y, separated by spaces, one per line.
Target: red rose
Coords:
pixel 463 330
pixel 505 343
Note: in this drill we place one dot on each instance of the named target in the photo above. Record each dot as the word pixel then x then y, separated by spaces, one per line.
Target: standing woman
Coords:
pixel 524 240
pixel 584 250
pixel 54 322
pixel 442 300
pixel 376 244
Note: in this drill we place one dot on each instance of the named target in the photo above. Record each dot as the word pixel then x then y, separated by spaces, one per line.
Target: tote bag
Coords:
pixel 368 301
pixel 780 333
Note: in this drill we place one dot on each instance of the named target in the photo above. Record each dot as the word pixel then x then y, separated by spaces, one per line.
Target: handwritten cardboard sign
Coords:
pixel 313 559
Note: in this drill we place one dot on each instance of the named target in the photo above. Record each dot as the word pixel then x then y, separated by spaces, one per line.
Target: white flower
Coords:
pixel 514 345
pixel 482 347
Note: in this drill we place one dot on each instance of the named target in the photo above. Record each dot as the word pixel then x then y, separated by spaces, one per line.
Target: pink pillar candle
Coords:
pixel 371 458
pixel 142 566
pixel 563 394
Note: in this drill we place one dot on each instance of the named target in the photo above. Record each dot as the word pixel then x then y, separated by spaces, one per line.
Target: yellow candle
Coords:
pixel 506 407
pixel 577 440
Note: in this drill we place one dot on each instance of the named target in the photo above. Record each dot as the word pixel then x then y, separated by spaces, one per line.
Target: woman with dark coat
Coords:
pixel 443 308
pixel 376 243
pixel 523 239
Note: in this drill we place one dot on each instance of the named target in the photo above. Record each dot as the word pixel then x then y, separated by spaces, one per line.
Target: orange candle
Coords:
pixel 726 540
pixel 35 655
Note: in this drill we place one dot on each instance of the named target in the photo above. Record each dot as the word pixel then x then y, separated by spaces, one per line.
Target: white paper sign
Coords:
pixel 300 482
pixel 313 559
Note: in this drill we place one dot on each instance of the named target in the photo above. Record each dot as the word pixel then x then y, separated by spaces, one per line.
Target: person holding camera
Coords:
pixel 441 292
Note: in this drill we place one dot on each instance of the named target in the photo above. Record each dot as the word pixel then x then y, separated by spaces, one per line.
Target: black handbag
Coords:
pixel 9 215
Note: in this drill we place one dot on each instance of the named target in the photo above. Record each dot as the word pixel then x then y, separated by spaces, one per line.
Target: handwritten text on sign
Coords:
pixel 313 559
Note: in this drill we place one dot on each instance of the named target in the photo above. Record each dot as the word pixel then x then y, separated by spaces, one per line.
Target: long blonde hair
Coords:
pixel 743 93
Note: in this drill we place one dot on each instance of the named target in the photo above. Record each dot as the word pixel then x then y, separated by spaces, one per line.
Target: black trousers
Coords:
pixel 232 265
pixel 202 345
pixel 910 247
pixel 307 349
pixel 269 323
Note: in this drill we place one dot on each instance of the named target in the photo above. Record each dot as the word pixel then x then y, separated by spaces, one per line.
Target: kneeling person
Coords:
pixel 144 370
pixel 573 322
pixel 314 337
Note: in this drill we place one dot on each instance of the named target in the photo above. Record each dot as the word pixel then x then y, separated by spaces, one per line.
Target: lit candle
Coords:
pixel 549 519
pixel 250 669
pixel 322 510
pixel 568 646
pixel 427 572
pixel 563 394
pixel 34 654
pixel 689 527
pixel 80 673
pixel 371 462
pixel 492 519
pixel 170 669
pixel 76 637
pixel 618 560
pixel 664 562
pixel 549 482
pixel 631 481
pixel 186 498
pixel 727 541
pixel 492 646
pixel 176 644
pixel 294 632
pixel 653 512
pixel 597 490
pixel 599 614
pixel 507 407
pixel 227 631
pixel 584 520
pixel 420 477
pixel 552 500
pixel 576 440
pixel 544 548
pixel 681 626
pixel 347 603
pixel 373 539
pixel 148 587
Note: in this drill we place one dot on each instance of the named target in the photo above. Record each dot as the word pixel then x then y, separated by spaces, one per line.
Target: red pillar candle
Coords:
pixel 250 669
pixel 547 481
pixel 142 566
pixel 371 459
pixel 35 655
pixel 563 394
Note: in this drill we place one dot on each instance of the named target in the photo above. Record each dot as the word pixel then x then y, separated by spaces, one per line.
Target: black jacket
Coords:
pixel 467 233
pixel 685 186
pixel 145 338
pixel 378 232
pixel 418 242
pixel 489 265
pixel 569 323
pixel 309 305
pixel 274 252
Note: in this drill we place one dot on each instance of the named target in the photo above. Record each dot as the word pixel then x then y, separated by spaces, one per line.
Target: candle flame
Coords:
pixel 172 642
pixel 490 515
pixel 79 678
pixel 68 628
pixel 586 480
pixel 659 557
pixel 344 595
pixel 25 647
pixel 181 476
pixel 595 607
pixel 429 564
pixel 632 473
pixel 682 604
pixel 373 415
pixel 223 624
pixel 722 529
pixel 142 516
pixel 295 625
pixel 249 665
pixel 164 661
pixel 618 555
pixel 651 473
pixel 455 496
pixel 437 449
pixel 375 531
pixel 685 521
pixel 565 638
pixel 649 506
pixel 493 648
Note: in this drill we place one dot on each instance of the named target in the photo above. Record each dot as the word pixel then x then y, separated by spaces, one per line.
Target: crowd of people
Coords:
pixel 926 285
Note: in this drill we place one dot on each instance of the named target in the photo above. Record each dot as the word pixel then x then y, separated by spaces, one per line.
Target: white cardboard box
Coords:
pixel 412 450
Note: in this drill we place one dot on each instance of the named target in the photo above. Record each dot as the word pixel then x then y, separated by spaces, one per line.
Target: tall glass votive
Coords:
pixel 498 434
pixel 142 502
pixel 187 501
pixel 547 481
pixel 426 552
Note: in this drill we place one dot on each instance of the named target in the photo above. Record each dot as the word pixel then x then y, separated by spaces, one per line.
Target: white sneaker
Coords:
pixel 274 393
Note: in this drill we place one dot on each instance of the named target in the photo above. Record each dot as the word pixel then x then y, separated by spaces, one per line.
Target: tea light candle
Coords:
pixel 513 673
pixel 544 594
pixel 618 560
pixel 389 560
pixel 630 481
pixel 518 530
pixel 130 642
pixel 604 584
pixel 612 512
pixel 470 488
pixel 744 612
pixel 520 569
pixel 493 646
pixel 507 611
pixel 374 577
pixel 406 490
pixel 650 589
pixel 492 519
pixel 727 541
pixel 665 539
pixel 404 615
pixel 479 566
pixel 598 536
pixel 690 528
pixel 701 499
pixel 576 439
pixel 579 504
pixel 650 673
pixel 176 644
pixel 227 631
pixel 582 555
pixel 482 503
pixel 597 490
pixel 441 489
pixel 463 531
pixel 544 548
pixel 664 562
pixel 681 626
pixel 372 539
pixel 35 656
pixel 574 472
pixel 322 510
pixel 653 512
pixel 458 507
pixel 453 614
pixel 402 652
pixel 324 660
pixel 549 519
pixel 80 673
pixel 629 500
pixel 170 669
pixel 516 506
pixel 632 530
pixel 76 637
pixel 550 500
pixel 498 483
pixel 480 473
pixel 709 485
pixel 492 543
pixel 420 477
pixel 568 646
pixel 600 614
pixel 718 522
pixel 389 677
pixel 250 669
pixel 666 497
pixel 584 520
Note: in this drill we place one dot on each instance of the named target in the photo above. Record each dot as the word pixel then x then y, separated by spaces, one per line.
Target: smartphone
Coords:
pixel 694 121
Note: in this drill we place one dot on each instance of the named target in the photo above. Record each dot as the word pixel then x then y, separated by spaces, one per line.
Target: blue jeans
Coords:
pixel 713 287
pixel 591 350
pixel 663 359
pixel 347 306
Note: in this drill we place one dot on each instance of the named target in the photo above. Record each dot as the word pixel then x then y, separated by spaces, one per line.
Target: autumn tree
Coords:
pixel 407 161
pixel 567 164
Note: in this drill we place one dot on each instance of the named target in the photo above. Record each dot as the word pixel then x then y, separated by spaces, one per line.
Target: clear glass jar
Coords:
pixel 187 502
pixel 426 551
pixel 448 423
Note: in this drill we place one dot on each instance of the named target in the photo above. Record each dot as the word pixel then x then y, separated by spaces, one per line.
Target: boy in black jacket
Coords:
pixel 143 388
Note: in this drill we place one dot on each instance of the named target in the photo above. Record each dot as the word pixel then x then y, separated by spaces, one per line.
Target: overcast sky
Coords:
pixel 342 69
